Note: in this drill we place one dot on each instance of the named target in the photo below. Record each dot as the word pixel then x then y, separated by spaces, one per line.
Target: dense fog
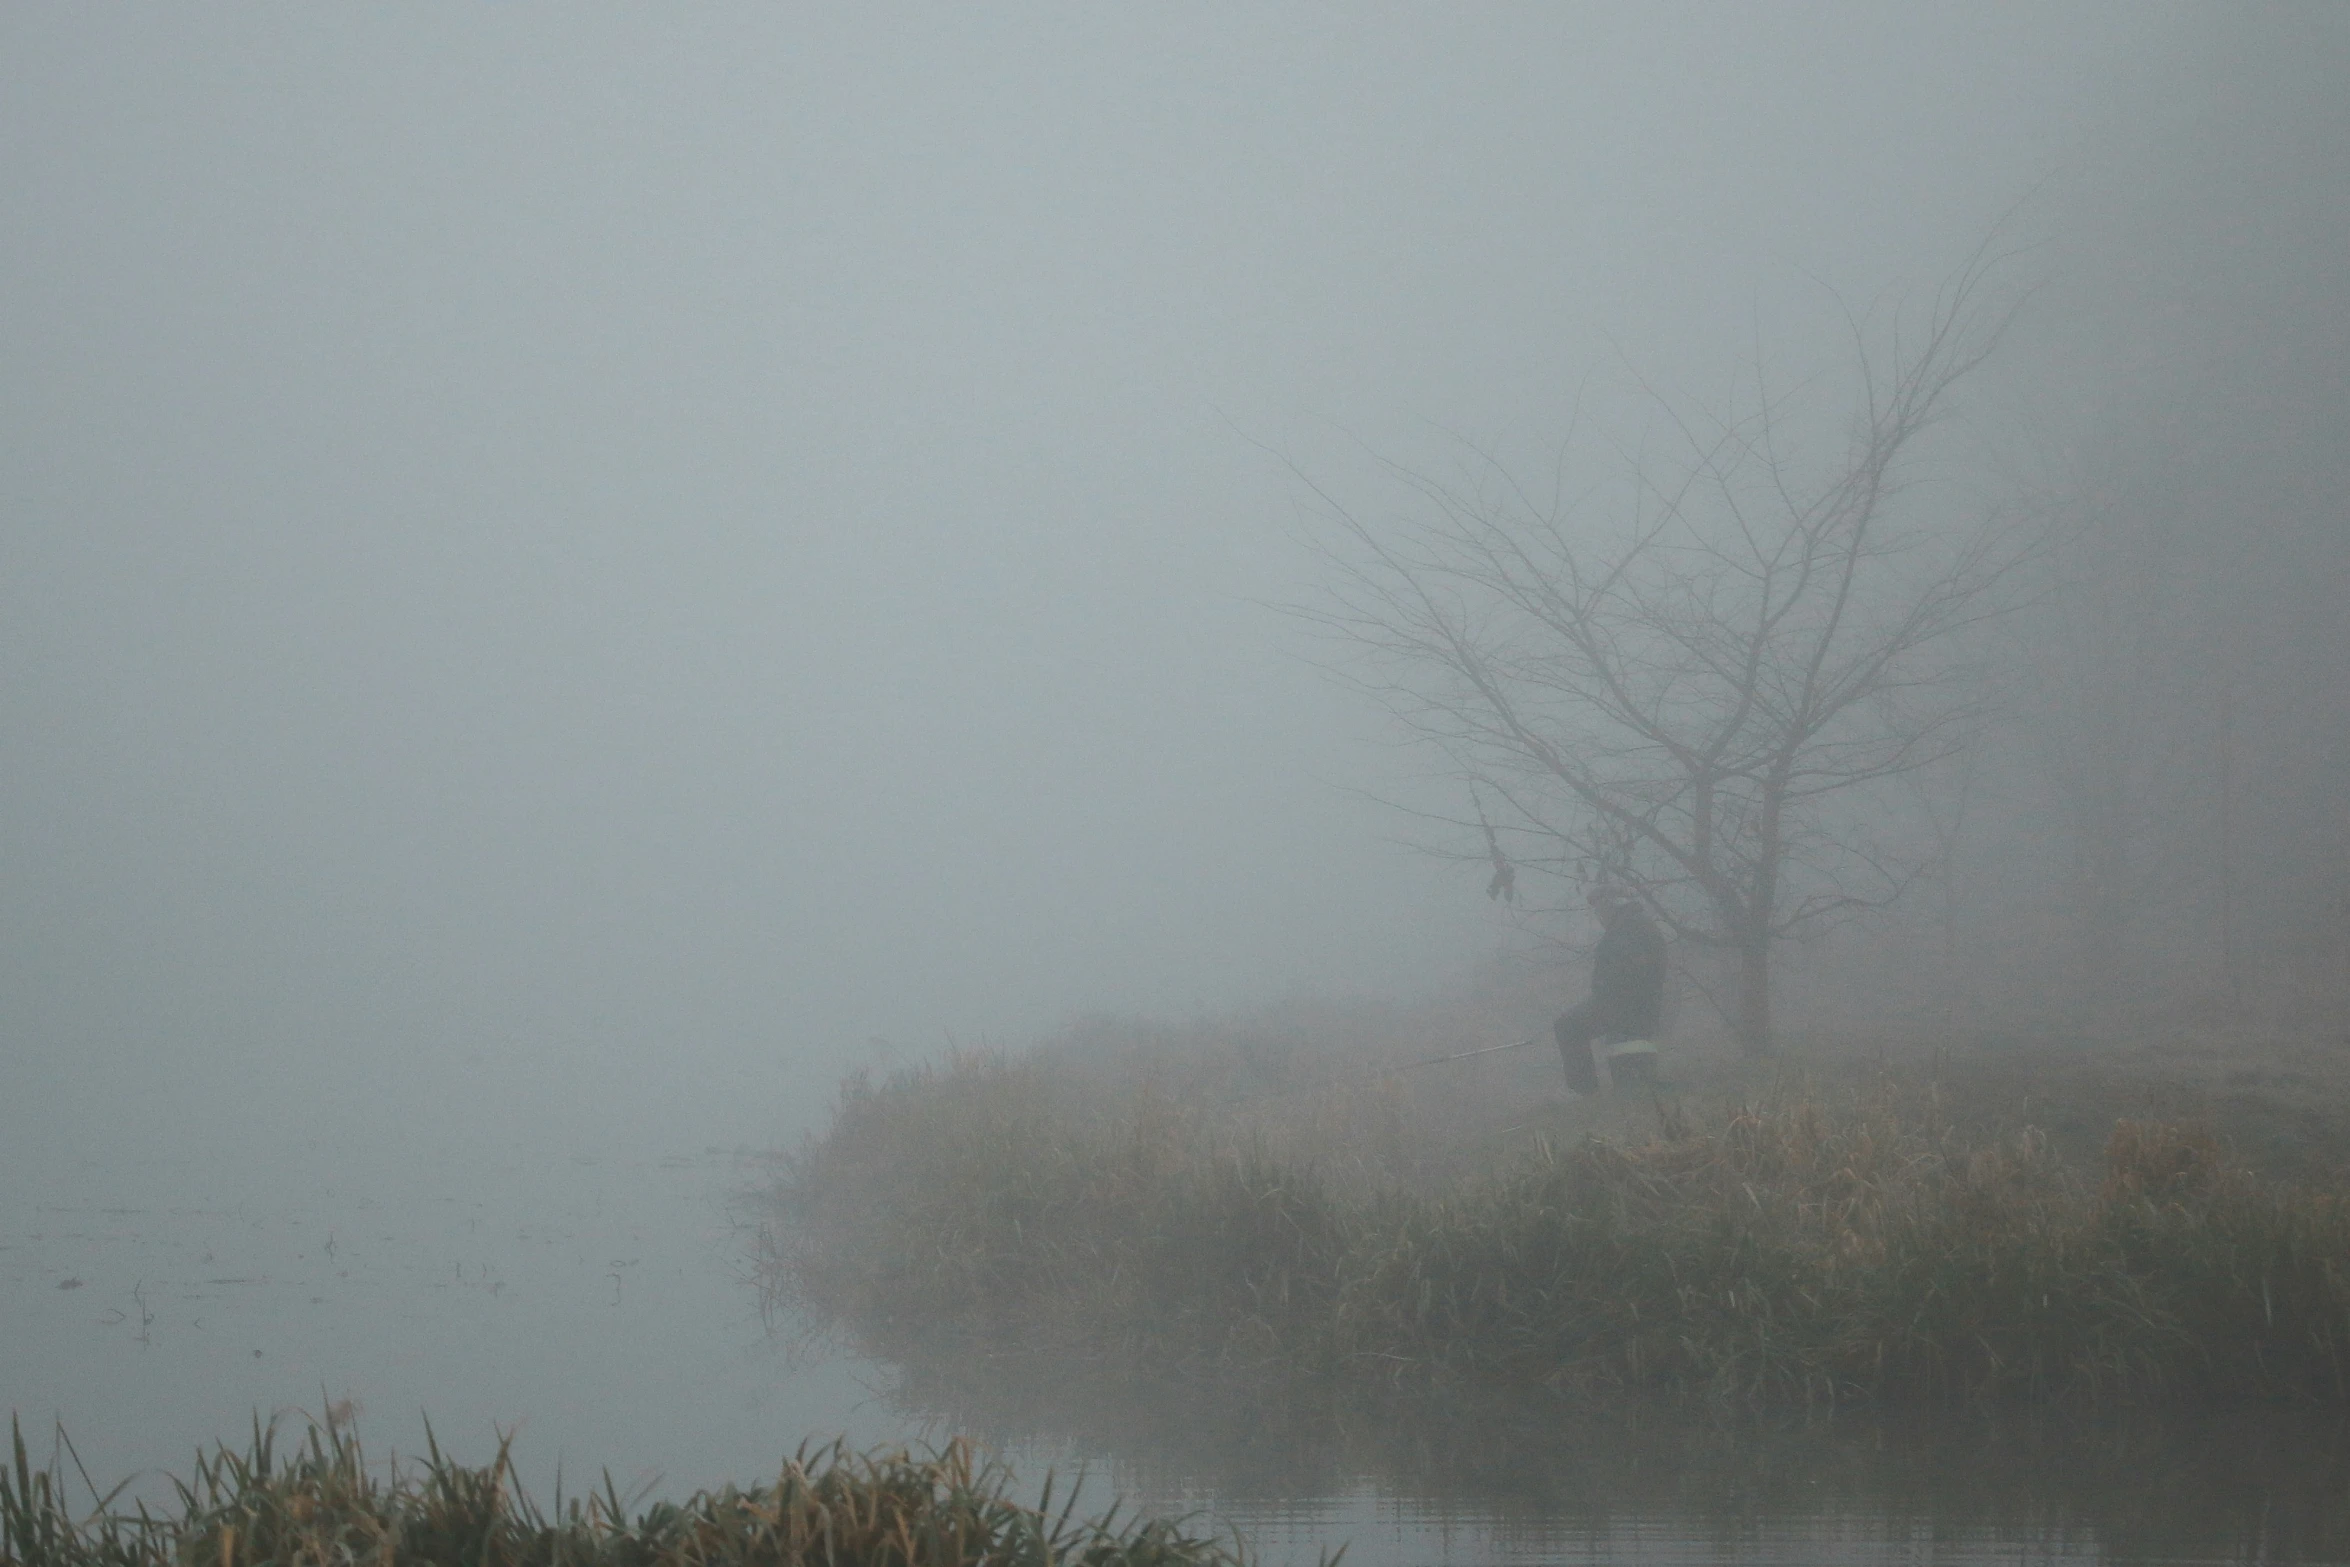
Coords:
pixel 573 572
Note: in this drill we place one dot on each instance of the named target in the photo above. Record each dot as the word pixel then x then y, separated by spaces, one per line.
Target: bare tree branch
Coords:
pixel 1677 689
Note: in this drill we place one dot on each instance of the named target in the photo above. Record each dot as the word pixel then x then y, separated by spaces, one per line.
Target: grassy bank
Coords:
pixel 1793 1251
pixel 321 1503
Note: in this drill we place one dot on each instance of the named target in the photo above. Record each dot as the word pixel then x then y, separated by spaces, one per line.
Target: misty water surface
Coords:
pixel 596 1306
pixel 593 1303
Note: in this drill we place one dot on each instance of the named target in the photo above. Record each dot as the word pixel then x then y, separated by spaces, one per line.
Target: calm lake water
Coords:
pixel 596 1305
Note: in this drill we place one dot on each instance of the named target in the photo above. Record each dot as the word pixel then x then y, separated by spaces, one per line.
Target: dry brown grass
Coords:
pixel 1880 1241
pixel 323 1505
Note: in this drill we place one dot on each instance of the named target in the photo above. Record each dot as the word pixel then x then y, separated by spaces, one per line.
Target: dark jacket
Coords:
pixel 1628 977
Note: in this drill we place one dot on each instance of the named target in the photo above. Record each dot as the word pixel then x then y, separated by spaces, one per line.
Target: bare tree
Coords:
pixel 1675 695
pixel 2113 664
pixel 2097 659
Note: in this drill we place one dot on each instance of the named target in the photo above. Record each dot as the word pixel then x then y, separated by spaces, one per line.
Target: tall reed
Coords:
pixel 1781 1253
pixel 322 1505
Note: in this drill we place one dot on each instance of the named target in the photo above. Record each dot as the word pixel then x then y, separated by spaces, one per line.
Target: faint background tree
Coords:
pixel 2187 737
pixel 1690 682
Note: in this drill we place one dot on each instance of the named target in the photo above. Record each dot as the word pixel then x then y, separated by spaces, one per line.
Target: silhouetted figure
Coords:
pixel 1627 989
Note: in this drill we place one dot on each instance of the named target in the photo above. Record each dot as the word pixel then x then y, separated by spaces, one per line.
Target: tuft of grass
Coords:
pixel 994 1194
pixel 322 1505
pixel 1781 1253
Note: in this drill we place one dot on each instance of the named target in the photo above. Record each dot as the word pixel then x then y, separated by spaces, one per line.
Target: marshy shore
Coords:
pixel 319 1500
pixel 1901 1233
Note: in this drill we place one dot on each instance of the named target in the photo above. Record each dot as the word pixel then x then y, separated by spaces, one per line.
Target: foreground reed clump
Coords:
pixel 1790 1253
pixel 322 1504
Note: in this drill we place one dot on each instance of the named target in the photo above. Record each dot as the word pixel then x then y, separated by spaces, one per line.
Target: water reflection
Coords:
pixel 1480 1476
pixel 597 1302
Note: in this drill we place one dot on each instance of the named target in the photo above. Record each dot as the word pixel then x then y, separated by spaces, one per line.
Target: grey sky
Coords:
pixel 568 556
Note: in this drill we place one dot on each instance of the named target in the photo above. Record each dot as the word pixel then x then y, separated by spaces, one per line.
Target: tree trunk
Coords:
pixel 2231 971
pixel 1754 995
pixel 1754 929
pixel 2102 932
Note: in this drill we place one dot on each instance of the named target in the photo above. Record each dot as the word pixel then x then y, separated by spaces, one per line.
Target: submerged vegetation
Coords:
pixel 1788 1251
pixel 322 1503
